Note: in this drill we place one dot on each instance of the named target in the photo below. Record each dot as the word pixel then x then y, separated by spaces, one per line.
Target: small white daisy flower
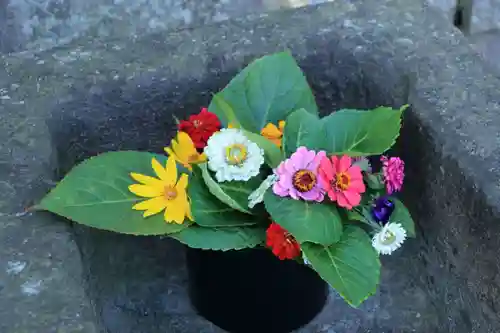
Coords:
pixel 232 156
pixel 389 239
pixel 257 196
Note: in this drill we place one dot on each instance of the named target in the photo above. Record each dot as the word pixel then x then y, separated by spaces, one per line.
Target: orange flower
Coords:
pixel 273 133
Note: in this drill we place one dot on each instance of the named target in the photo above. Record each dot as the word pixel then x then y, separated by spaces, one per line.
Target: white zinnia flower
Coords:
pixel 257 196
pixel 232 156
pixel 389 239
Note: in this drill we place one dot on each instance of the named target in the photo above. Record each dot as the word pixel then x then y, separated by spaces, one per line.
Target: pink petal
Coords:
pixel 308 196
pixel 344 163
pixel 326 168
pixel 290 166
pixel 357 185
pixel 320 197
pixel 323 181
pixel 280 191
pixel 294 193
pixel 332 195
pixel 353 198
pixel 317 160
pixel 281 168
pixel 335 164
pixel 342 200
pixel 355 172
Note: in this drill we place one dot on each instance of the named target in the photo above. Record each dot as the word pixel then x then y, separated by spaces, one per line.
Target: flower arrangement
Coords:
pixel 259 168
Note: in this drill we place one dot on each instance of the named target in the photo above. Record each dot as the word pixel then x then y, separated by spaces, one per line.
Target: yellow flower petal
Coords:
pixel 183 150
pixel 175 211
pixel 170 172
pixel 281 125
pixel 178 208
pixel 270 131
pixel 273 133
pixel 188 213
pixel 159 170
pixel 169 151
pixel 146 180
pixel 145 190
pixel 185 143
pixel 152 206
pixel 182 183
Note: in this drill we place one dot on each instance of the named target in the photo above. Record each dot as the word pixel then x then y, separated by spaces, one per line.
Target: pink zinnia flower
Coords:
pixel 394 173
pixel 298 176
pixel 342 180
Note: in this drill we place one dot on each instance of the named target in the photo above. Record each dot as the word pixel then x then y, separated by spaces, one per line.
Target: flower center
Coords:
pixel 388 237
pixel 197 123
pixel 304 180
pixel 342 181
pixel 236 154
pixel 170 193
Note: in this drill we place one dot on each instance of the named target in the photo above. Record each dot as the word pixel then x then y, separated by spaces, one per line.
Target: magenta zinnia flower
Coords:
pixel 394 173
pixel 298 176
pixel 342 180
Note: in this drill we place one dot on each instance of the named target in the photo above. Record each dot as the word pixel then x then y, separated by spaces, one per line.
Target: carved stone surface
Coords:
pixel 98 95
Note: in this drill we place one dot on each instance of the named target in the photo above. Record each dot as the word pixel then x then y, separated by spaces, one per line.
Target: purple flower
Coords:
pixel 394 173
pixel 298 176
pixel 382 209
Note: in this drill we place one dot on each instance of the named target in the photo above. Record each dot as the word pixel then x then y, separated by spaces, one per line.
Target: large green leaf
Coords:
pixel 95 193
pixel 351 266
pixel 234 194
pixel 306 221
pixel 267 90
pixel 225 109
pixel 302 129
pixel 223 239
pixel 361 133
pixel 208 211
pixel 402 216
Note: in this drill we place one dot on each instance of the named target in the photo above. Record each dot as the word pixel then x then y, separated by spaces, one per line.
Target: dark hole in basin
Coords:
pixel 138 283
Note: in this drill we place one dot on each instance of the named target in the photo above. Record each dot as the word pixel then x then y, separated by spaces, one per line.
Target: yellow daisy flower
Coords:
pixel 184 151
pixel 164 193
pixel 273 133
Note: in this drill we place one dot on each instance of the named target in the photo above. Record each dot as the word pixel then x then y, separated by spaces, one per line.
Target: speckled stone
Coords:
pixel 96 95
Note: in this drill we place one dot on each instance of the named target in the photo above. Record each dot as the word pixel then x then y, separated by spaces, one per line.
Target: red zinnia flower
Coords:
pixel 200 127
pixel 283 245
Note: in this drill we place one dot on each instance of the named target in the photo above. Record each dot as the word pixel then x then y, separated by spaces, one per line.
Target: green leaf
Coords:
pixel 302 129
pixel 224 191
pixel 402 216
pixel 208 211
pixel 267 90
pixel 273 155
pixel 354 215
pixel 223 239
pixel 361 133
pixel 95 193
pixel 364 164
pixel 374 181
pixel 351 266
pixel 226 109
pixel 306 221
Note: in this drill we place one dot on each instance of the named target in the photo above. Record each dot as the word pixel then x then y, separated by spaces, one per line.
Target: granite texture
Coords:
pixel 95 95
pixel 30 26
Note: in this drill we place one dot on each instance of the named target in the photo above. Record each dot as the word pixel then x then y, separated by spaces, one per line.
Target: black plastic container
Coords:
pixel 252 291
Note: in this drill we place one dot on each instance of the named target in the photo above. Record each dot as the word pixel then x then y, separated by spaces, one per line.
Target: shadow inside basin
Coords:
pixel 138 284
